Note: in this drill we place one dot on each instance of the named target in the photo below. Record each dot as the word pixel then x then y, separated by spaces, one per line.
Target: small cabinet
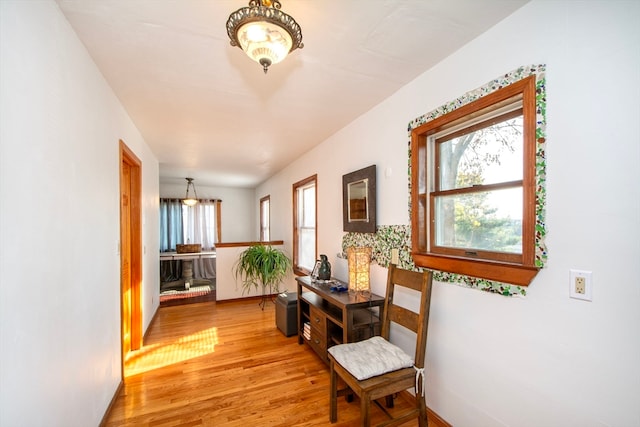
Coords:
pixel 327 318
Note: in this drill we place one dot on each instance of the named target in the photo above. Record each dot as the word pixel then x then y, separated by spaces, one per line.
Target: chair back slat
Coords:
pixel 404 317
pixel 407 278
pixel 417 322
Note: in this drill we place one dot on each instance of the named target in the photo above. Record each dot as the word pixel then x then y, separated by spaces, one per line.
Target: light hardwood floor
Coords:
pixel 226 364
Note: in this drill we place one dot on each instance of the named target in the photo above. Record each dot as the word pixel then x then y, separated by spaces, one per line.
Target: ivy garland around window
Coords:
pixel 399 236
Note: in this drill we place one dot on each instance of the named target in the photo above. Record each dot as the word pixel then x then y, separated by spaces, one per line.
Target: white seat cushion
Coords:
pixel 369 358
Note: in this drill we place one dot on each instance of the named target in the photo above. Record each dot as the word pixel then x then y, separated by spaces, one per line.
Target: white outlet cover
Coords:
pixel 588 285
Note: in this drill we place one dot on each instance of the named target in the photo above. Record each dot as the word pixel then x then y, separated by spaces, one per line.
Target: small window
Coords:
pixel 473 187
pixel 304 225
pixel 264 218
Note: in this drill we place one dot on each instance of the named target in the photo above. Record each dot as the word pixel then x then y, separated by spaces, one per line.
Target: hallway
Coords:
pixel 226 364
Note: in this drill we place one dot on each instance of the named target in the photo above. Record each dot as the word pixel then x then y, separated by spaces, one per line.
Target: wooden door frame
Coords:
pixel 135 236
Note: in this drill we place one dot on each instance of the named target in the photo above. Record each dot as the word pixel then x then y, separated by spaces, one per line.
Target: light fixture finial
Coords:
pixel 265 33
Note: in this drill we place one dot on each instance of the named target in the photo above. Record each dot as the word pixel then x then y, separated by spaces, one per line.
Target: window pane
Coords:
pixel 265 214
pixel 199 224
pixel 488 221
pixel 264 219
pixel 489 155
pixel 307 254
pixel 305 200
pixel 309 202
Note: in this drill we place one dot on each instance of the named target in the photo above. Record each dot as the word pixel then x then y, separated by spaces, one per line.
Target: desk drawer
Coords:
pixel 318 343
pixel 318 320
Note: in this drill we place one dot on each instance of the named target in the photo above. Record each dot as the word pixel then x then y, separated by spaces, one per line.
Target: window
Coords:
pixel 200 223
pixel 304 225
pixel 264 218
pixel 473 187
pixel 189 224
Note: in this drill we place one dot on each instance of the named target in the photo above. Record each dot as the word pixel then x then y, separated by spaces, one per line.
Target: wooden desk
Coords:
pixel 335 317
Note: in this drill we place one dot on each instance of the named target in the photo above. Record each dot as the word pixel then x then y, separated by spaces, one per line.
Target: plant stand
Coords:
pixel 266 297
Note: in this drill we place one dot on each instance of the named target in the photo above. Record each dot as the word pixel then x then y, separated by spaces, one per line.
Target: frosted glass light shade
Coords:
pixel 188 200
pixel 264 42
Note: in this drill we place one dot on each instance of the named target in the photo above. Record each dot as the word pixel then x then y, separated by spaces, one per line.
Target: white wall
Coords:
pixel 60 124
pixel 238 212
pixel 229 287
pixel 545 360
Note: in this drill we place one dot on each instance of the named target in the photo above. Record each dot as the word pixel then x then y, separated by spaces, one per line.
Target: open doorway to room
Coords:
pixel 130 251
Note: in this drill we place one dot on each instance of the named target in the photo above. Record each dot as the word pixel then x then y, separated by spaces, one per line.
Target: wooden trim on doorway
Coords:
pixel 130 250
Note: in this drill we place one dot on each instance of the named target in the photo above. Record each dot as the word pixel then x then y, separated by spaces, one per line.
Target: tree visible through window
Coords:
pixel 478 191
pixel 473 187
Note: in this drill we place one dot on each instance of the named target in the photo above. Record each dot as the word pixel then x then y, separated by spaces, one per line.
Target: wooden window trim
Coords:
pixel 313 178
pixel 518 273
pixel 219 220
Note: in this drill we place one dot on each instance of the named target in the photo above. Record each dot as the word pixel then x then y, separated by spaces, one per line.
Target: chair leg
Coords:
pixel 422 406
pixel 365 410
pixel 333 395
pixel 389 401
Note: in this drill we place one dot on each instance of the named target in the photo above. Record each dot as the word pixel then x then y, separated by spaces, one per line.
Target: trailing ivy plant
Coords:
pixel 262 265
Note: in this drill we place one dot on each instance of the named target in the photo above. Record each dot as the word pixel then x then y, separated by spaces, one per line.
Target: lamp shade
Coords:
pixel 359 260
pixel 190 200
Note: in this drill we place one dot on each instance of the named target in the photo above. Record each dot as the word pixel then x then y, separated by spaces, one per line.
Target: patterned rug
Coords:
pixel 174 294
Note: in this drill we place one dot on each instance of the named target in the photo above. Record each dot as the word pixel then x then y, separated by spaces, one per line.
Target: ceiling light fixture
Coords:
pixel 264 32
pixel 190 201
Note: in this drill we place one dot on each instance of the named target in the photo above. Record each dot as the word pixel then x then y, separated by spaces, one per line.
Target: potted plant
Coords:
pixel 262 265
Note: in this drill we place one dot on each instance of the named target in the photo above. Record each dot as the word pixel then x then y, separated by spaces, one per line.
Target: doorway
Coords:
pixel 130 251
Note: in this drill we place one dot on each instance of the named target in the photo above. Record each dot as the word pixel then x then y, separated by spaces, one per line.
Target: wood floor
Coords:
pixel 226 364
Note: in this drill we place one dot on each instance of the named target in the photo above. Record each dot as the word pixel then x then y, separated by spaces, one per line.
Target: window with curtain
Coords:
pixel 188 224
pixel 199 223
pixel 171 233
pixel 181 224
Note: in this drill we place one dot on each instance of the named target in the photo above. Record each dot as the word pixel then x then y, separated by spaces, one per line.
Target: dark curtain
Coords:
pixel 170 235
pixel 170 271
pixel 170 224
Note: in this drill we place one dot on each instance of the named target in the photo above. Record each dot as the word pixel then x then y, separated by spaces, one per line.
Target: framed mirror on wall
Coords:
pixel 359 200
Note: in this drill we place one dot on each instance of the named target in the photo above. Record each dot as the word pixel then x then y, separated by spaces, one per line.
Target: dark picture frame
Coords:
pixel 359 200
pixel 316 268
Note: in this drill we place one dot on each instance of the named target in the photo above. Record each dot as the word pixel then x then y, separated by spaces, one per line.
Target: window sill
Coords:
pixel 501 272
pixel 301 272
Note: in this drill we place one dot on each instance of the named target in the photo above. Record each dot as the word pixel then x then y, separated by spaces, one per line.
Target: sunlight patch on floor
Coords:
pixel 156 356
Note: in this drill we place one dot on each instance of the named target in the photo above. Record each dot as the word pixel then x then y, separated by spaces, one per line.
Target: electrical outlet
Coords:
pixel 580 285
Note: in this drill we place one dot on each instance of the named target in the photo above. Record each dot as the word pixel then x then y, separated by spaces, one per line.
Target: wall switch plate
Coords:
pixel 580 285
pixel 395 256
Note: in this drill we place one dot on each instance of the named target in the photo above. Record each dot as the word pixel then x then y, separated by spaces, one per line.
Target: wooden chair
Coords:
pixel 385 384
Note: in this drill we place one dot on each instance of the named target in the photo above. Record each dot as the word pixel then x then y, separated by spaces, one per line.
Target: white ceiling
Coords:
pixel 209 112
